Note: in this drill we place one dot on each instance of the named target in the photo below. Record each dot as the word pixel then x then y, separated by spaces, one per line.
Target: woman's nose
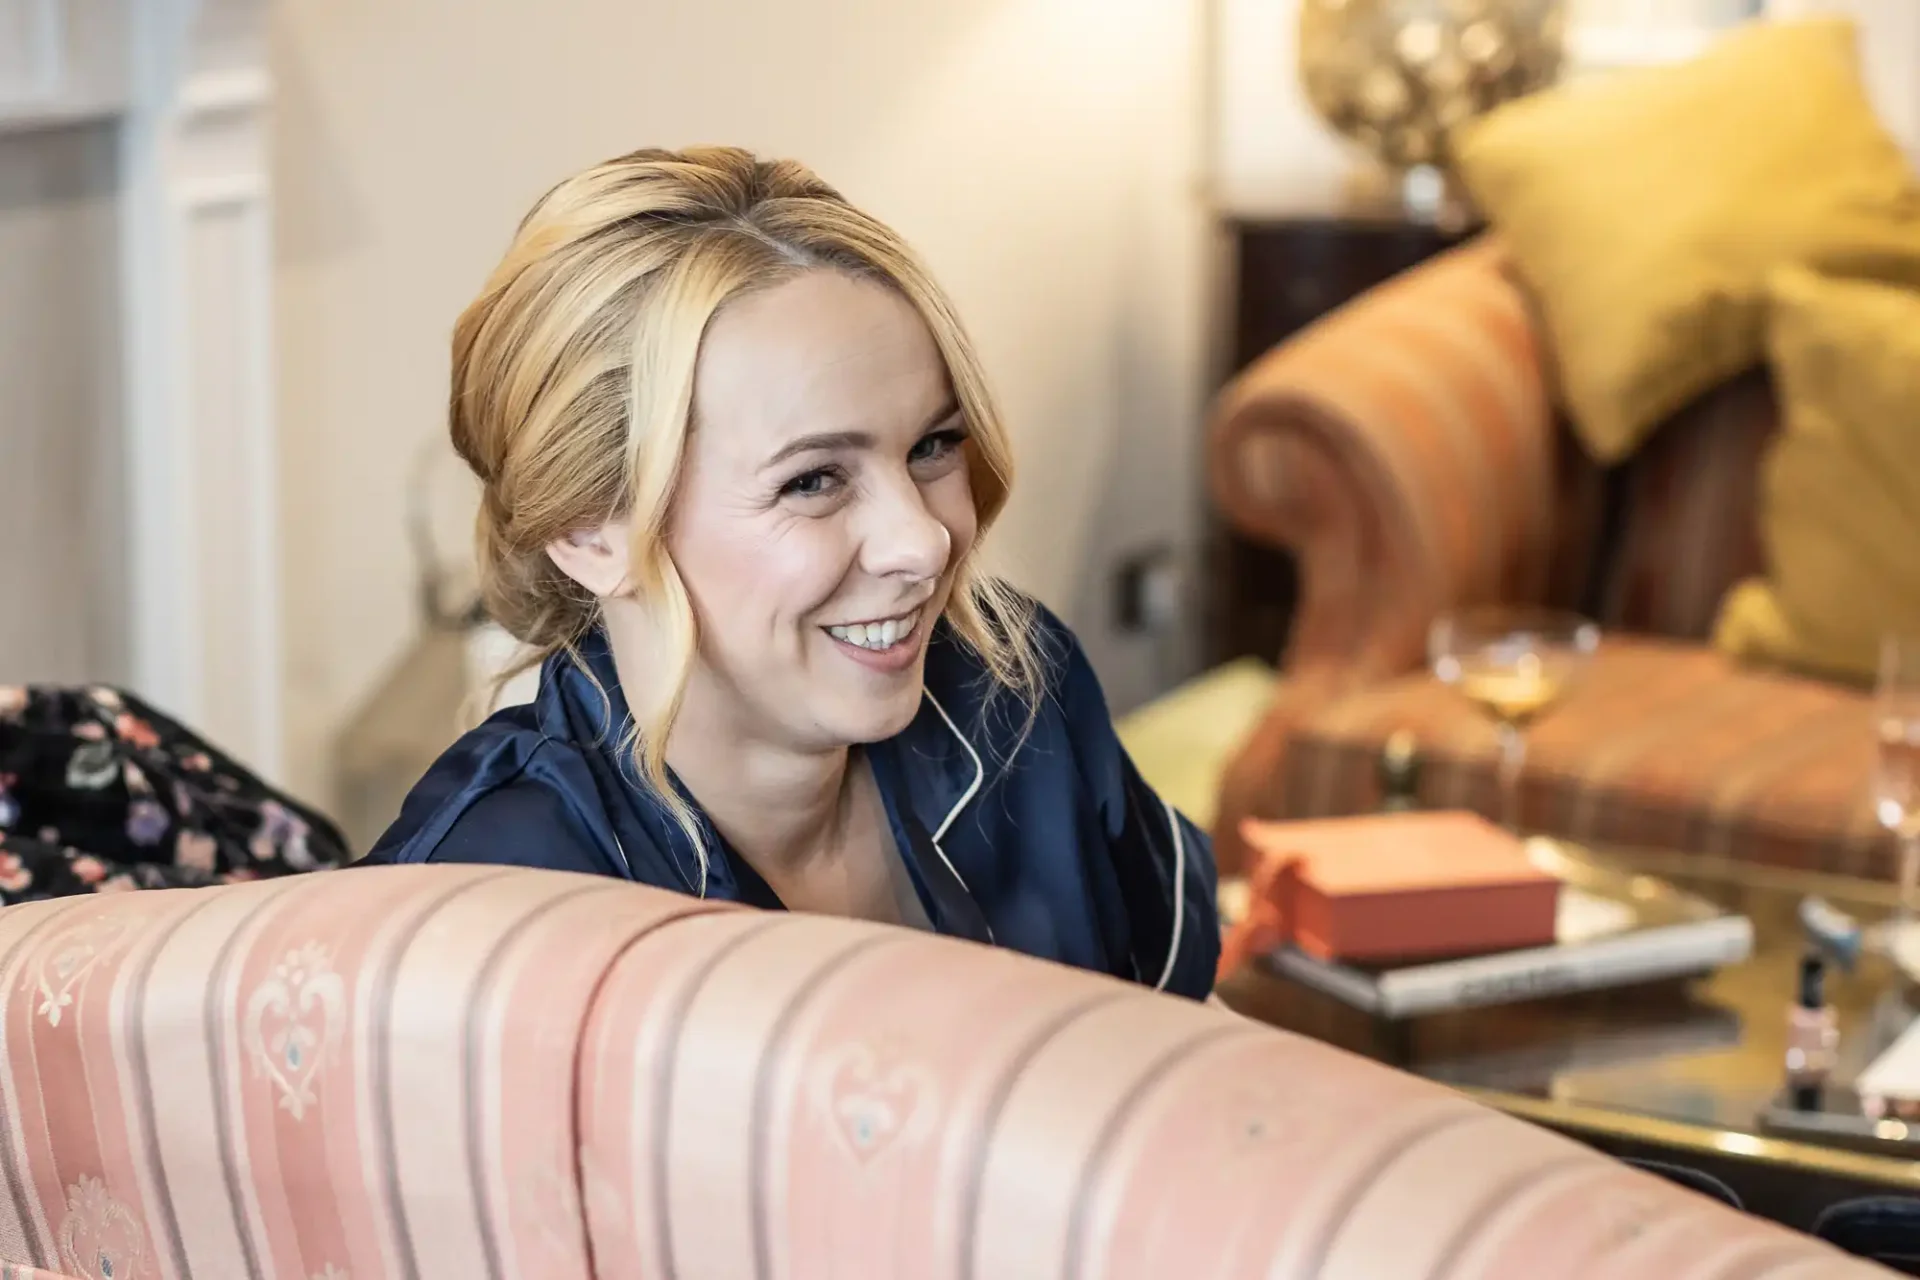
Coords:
pixel 903 538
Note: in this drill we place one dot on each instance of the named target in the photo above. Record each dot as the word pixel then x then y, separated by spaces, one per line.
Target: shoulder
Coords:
pixel 526 823
pixel 504 794
pixel 1068 674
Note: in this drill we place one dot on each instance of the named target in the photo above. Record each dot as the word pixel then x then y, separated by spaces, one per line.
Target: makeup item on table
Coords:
pixel 1889 1086
pixel 1837 935
pixel 1399 773
pixel 1903 1110
pixel 1843 940
pixel 1813 1036
pixel 1879 1114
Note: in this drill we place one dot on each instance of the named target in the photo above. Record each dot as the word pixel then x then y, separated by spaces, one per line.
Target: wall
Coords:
pixel 1268 152
pixel 1890 55
pixel 1043 154
pixel 62 616
pixel 1270 155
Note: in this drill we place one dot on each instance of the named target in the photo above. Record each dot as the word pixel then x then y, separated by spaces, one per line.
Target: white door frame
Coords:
pixel 203 483
pixel 188 82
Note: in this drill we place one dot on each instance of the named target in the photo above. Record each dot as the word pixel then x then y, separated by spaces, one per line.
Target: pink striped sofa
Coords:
pixel 1407 450
pixel 473 1072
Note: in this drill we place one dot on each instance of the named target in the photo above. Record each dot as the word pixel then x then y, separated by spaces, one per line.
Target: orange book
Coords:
pixel 1403 886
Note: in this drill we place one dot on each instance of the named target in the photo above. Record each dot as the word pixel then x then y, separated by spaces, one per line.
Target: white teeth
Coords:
pixel 877 635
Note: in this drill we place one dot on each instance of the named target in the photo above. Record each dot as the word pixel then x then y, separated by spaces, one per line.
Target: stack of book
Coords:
pixel 1417 913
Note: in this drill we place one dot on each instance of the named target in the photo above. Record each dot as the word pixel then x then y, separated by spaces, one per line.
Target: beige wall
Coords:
pixel 1043 154
pixel 62 612
pixel 1890 54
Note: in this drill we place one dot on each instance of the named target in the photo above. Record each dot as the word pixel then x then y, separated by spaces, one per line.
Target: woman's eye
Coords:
pixel 937 445
pixel 812 484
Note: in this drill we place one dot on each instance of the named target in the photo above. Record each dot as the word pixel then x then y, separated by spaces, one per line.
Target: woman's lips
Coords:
pixel 885 644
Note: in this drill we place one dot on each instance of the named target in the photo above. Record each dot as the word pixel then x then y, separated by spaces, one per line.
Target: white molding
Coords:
pixel 61 61
pixel 217 92
pixel 225 190
pixel 32 50
pixel 203 496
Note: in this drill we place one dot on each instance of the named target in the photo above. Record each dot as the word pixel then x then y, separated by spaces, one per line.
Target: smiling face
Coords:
pixel 822 509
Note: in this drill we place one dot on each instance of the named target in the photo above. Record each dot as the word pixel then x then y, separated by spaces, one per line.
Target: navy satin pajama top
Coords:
pixel 1052 845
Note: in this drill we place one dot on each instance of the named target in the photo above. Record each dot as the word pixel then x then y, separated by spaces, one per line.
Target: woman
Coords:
pixel 737 456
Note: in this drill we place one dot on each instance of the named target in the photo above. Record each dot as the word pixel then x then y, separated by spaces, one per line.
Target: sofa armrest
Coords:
pixel 483 1070
pixel 1402 448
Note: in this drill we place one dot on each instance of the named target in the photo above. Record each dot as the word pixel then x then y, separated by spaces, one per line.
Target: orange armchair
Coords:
pixel 1406 450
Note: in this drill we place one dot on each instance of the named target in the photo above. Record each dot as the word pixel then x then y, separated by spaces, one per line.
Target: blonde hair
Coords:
pixel 572 392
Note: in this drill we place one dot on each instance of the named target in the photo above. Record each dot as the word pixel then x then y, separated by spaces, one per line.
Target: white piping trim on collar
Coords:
pixel 1179 896
pixel 1173 823
pixel 627 867
pixel 979 770
pixel 973 789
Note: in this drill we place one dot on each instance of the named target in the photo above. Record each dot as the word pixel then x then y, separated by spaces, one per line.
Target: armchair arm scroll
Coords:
pixel 1403 449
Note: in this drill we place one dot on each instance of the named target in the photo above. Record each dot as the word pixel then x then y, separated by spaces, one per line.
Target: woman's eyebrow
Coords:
pixel 827 441
pixel 821 441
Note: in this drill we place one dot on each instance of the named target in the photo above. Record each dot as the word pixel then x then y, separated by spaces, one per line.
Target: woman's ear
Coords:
pixel 596 557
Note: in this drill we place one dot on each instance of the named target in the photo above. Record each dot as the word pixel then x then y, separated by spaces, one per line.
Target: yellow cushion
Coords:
pixel 1840 488
pixel 1646 209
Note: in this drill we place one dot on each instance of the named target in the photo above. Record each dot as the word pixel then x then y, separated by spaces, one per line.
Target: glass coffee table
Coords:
pixel 1687 1072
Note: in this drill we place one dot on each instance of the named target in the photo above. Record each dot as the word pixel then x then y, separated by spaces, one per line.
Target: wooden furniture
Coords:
pixel 1288 273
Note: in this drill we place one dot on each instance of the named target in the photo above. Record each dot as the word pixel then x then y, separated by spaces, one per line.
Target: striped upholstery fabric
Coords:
pixel 1404 448
pixel 1688 527
pixel 1409 475
pixel 478 1072
pixel 1661 744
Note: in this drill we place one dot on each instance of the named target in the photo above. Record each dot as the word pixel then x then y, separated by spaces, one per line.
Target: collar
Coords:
pixel 580 702
pixel 927 775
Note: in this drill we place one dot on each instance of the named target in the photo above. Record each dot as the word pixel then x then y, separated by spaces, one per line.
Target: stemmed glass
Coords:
pixel 1896 774
pixel 1513 663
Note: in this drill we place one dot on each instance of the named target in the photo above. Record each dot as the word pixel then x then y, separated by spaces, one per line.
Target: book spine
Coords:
pixel 1548 971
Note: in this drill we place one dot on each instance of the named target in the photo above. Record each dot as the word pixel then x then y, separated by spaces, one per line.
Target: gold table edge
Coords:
pixel 1701 1139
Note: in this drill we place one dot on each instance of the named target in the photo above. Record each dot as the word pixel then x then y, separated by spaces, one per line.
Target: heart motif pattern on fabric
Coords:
pixel 1259 1122
pixel 100 1238
pixel 68 956
pixel 293 1023
pixel 875 1095
pixel 553 1205
pixel 1623 1215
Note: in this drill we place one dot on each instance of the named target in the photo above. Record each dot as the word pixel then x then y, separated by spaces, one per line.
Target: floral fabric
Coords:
pixel 100 793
